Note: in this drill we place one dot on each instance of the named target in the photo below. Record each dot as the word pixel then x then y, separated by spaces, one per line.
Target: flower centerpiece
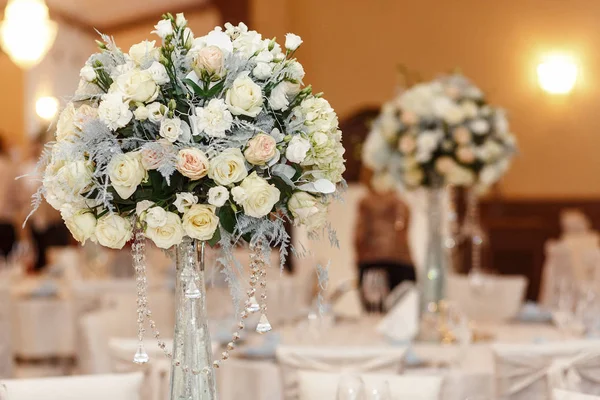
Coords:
pixel 195 141
pixel 433 135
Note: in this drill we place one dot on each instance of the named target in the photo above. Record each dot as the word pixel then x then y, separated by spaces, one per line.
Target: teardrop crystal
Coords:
pixel 141 357
pixel 192 291
pixel 263 325
pixel 253 305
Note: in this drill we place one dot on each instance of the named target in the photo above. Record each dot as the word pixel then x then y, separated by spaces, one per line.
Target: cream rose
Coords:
pixel 192 163
pixel 297 149
pixel 126 172
pixel 159 73
pixel 307 210
pixel 244 97
pixel 144 52
pixel 142 206
pixel 200 221
pixel 155 217
pixel 228 167
pixel 444 165
pixel 184 201
pixel 113 231
pixel 462 135
pixel 157 112
pixel 83 115
pixel 261 149
pixel 260 196
pixel 167 235
pixel 154 156
pixel 82 225
pixel 407 144
pixel 171 129
pixel 465 154
pixel 209 60
pixel 65 127
pixel 137 86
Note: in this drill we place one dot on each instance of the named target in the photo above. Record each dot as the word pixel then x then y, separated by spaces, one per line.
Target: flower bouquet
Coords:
pixel 207 140
pixel 433 135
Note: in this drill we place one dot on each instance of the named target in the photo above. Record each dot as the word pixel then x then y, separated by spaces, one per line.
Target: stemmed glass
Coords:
pixel 351 387
pixel 375 288
pixel 380 391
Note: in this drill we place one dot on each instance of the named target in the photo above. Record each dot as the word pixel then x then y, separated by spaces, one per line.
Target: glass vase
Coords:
pixel 192 374
pixel 433 282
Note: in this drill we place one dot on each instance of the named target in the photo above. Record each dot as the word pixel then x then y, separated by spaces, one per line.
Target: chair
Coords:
pixel 564 395
pixel 323 385
pixel 531 372
pixel 335 359
pixel 479 300
pixel 98 387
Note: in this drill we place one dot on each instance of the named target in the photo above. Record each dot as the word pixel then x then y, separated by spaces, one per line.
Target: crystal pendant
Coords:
pixel 141 357
pixel 253 305
pixel 263 325
pixel 192 291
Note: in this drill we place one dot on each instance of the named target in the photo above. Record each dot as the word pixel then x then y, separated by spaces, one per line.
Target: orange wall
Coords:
pixel 352 47
pixel 12 119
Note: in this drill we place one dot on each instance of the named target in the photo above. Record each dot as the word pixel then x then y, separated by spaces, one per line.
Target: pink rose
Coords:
pixel 261 149
pixel 407 144
pixel 465 154
pixel 152 158
pixel 192 163
pixel 210 60
pixel 462 135
pixel 409 118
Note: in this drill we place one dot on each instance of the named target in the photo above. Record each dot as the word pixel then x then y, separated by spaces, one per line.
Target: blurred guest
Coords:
pixel 45 227
pixel 381 236
pixel 8 202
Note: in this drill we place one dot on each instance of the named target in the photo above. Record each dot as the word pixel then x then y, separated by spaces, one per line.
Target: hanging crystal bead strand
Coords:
pixel 260 270
pixel 139 264
pixel 476 231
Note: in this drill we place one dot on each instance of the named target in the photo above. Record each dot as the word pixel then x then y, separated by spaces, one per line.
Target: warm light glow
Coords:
pixel 46 107
pixel 557 74
pixel 27 33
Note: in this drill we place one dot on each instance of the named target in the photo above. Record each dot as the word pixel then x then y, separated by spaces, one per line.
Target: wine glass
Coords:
pixel 350 387
pixel 381 391
pixel 375 288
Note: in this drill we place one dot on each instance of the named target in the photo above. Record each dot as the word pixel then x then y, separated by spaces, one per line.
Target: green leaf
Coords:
pixel 215 239
pixel 286 191
pixel 195 88
pixel 216 89
pixel 227 218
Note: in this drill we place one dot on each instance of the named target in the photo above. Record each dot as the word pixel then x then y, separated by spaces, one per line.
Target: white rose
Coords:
pixel 65 127
pixel 88 73
pixel 71 180
pixel 470 109
pixel 292 42
pixel 192 163
pixel 171 129
pixel 114 112
pixel 214 119
pixel 157 112
pixel 228 167
pixel 448 110
pixel 137 86
pixel 164 28
pixel 479 126
pixel 180 20
pixel 159 73
pixel 460 176
pixel 209 60
pixel 144 52
pixel 188 38
pixel 83 115
pixel 113 231
pixel 239 195
pixel 264 56
pixel 142 206
pixel 282 94
pixel 200 222
pixel 307 210
pixel 82 225
pixel 126 172
pixel 297 149
pixel 155 217
pixel 216 37
pixel 244 97
pixel 141 113
pixel 261 148
pixel 167 235
pixel 218 196
pixel 260 196
pixel 262 71
pixel 184 201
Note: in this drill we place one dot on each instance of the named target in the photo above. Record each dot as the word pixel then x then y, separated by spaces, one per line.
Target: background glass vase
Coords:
pixel 192 374
pixel 437 260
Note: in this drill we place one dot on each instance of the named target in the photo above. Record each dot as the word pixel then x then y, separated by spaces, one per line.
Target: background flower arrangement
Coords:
pixel 212 138
pixel 437 133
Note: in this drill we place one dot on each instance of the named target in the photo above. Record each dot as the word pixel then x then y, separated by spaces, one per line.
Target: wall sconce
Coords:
pixel 557 74
pixel 46 107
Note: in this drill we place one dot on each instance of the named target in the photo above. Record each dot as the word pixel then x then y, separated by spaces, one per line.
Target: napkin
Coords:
pixel 402 322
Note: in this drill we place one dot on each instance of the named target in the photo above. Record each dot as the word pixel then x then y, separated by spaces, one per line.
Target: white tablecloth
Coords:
pixel 467 372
